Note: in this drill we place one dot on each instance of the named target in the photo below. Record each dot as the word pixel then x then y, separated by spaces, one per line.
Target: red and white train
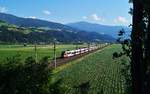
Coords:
pixel 71 53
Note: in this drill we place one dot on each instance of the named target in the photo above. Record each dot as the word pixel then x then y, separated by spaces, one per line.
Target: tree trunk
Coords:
pixel 147 58
pixel 137 51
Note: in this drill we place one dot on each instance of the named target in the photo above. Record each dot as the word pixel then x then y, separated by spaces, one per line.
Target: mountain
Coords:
pixel 29 22
pixel 10 33
pixel 101 29
pixel 24 28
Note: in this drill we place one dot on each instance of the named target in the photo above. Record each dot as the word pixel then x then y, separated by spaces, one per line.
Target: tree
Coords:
pixel 30 77
pixel 140 46
pixel 146 4
pixel 135 47
pixel 137 50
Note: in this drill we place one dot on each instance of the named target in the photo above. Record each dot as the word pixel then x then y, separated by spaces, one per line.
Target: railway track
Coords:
pixel 62 61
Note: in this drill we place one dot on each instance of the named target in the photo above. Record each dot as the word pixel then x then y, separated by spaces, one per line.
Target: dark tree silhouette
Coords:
pixel 146 4
pixel 135 47
pixel 30 77
pixel 137 50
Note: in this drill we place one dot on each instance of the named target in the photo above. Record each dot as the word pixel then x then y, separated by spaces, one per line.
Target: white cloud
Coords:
pixel 96 17
pixel 46 12
pixel 121 20
pixel 3 9
pixel 32 17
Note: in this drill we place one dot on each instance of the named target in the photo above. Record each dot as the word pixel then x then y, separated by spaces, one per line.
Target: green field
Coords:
pixel 99 69
pixel 102 74
pixel 24 52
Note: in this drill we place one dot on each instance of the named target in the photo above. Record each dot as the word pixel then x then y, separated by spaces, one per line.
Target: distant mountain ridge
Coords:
pixel 102 29
pixel 29 22
pixel 33 25
pixel 10 33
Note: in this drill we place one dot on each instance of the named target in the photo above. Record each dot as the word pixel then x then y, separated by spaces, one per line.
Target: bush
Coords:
pixel 26 78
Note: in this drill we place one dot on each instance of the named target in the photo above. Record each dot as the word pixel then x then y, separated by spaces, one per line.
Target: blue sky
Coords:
pixel 111 12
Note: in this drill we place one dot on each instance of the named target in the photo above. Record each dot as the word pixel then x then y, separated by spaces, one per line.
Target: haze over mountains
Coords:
pixel 41 29
pixel 102 29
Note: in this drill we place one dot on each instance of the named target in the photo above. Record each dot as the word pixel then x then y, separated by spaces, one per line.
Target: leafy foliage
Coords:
pixel 27 78
pixel 126 45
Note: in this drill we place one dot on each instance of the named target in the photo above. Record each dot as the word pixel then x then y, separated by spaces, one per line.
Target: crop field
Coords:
pixel 29 50
pixel 97 72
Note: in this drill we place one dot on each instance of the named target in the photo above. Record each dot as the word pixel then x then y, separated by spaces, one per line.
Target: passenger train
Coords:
pixel 71 53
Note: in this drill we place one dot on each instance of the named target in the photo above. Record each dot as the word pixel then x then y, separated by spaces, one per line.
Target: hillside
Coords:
pixel 15 34
pixel 29 22
pixel 102 29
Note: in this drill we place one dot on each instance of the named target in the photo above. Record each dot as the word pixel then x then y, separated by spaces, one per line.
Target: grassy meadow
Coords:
pixel 29 50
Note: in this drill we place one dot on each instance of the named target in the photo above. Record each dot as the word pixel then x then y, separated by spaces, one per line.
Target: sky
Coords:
pixel 108 12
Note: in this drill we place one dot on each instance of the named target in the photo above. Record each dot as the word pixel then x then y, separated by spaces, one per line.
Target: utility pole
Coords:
pixel 55 63
pixel 76 45
pixel 35 50
pixel 88 46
